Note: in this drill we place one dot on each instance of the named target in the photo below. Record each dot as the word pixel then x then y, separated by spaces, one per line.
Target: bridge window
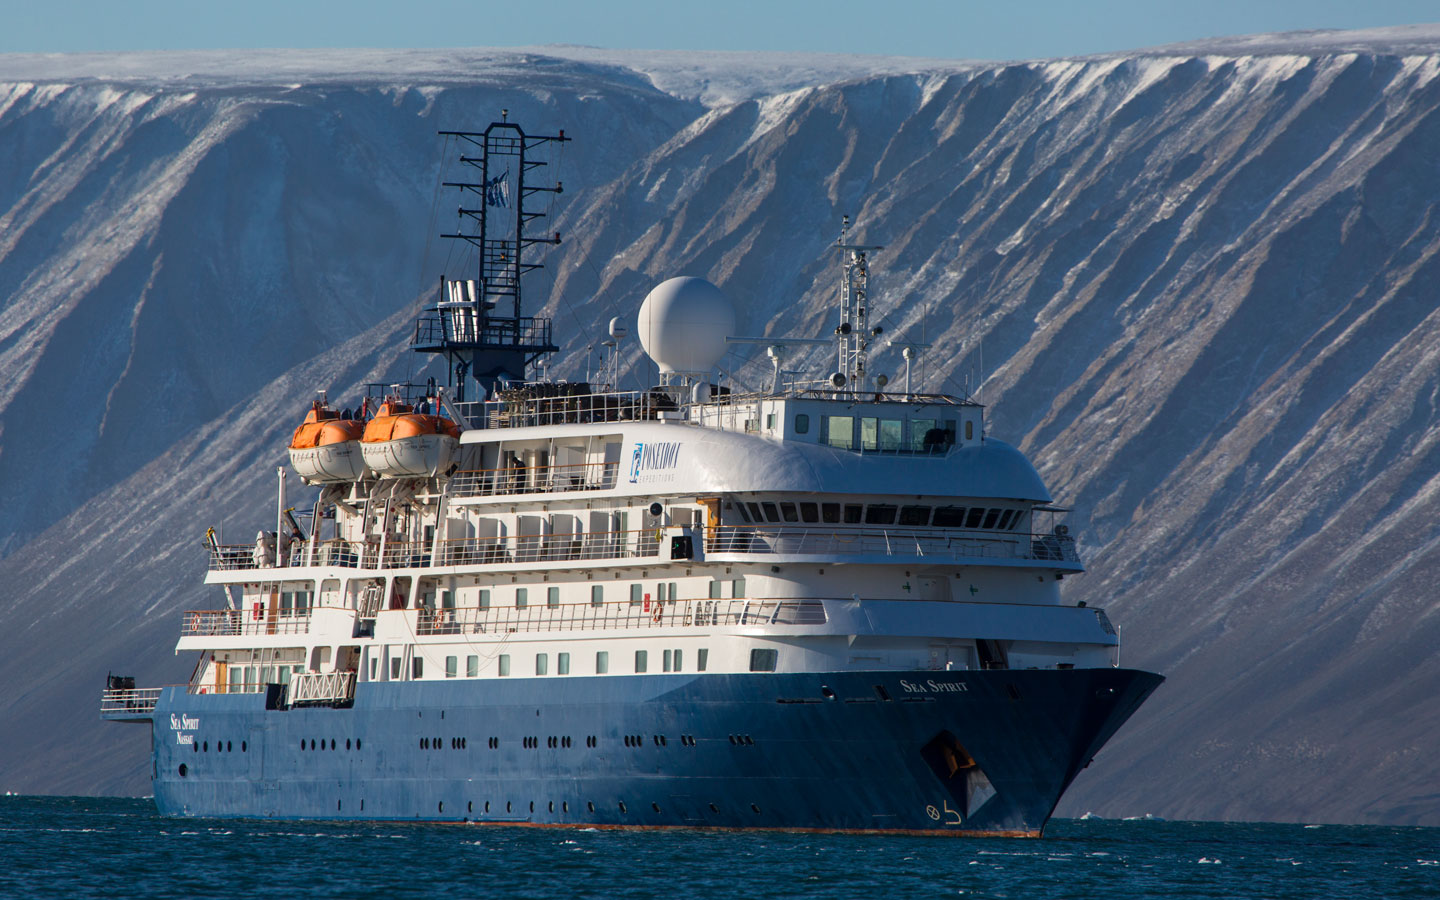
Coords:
pixel 755 512
pixel 1004 522
pixel 772 512
pixel 788 512
pixel 830 513
pixel 879 514
pixel 809 512
pixel 852 513
pixel 890 434
pixel 840 432
pixel 869 434
pixel 949 517
pixel 914 515
pixel 740 508
pixel 990 517
pixel 975 517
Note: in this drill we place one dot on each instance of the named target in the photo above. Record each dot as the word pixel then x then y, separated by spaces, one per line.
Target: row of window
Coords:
pixel 664 593
pixel 333 744
pixel 220 746
pixel 885 435
pixel 909 515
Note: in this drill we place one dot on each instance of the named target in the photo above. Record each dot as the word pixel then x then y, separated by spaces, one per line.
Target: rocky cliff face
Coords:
pixel 1194 286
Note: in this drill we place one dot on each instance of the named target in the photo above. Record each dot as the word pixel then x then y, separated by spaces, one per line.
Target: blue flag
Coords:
pixel 497 190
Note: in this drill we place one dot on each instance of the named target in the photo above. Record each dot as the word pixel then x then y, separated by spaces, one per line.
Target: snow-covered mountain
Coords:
pixel 1194 283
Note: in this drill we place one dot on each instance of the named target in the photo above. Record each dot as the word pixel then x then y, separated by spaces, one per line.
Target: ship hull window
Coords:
pixel 641 661
pixel 602 662
pixel 763 660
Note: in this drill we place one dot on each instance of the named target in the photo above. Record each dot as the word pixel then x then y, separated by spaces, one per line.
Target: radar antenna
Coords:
pixel 854 333
pixel 479 326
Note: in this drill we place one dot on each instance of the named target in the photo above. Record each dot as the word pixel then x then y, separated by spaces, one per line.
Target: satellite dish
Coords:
pixel 683 325
pixel 618 331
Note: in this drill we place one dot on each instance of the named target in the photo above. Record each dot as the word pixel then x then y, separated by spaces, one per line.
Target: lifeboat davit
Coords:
pixel 401 443
pixel 326 448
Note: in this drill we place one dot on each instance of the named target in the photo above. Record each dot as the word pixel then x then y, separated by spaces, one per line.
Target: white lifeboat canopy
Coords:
pixel 683 325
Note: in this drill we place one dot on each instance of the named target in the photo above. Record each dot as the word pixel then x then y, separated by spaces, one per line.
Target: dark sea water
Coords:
pixel 87 847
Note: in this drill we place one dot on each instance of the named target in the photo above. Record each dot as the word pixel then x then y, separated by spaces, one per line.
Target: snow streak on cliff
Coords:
pixel 1194 286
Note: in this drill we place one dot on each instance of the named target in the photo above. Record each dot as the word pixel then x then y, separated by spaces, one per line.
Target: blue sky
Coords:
pixel 961 29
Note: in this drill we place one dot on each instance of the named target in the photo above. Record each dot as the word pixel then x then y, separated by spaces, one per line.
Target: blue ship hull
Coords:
pixel 924 751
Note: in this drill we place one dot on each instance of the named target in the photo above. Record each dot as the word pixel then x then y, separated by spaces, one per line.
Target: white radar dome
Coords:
pixel 683 325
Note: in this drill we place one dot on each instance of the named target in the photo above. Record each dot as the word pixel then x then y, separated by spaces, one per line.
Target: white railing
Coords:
pixel 945 544
pixel 942 544
pixel 123 703
pixel 534 480
pixel 622 615
pixel 228 622
pixel 321 687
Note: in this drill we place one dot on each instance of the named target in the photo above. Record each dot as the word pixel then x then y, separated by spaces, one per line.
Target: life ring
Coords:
pixel 195 623
pixel 659 613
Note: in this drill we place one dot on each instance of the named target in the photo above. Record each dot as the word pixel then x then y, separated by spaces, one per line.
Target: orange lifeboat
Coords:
pixel 400 442
pixel 326 448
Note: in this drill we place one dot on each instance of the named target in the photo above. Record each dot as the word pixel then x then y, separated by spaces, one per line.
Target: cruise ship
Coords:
pixel 813 603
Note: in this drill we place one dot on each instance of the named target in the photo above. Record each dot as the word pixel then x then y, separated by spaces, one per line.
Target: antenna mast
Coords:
pixel 479 326
pixel 853 334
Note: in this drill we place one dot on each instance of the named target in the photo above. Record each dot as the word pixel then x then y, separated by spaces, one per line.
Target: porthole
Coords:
pixel 183 770
pixel 357 743
pixel 532 806
pixel 442 806
pixel 622 806
pixel 469 806
pixel 243 747
pixel 312 743
pixel 487 806
pixel 332 743
pixel 229 747
pixel 590 805
pixel 655 806
pixel 552 806
pixel 507 806
pixel 302 745
pixel 714 808
pixel 347 743
pixel 207 747
pixel 565 806
pixel 194 747
pixel 755 808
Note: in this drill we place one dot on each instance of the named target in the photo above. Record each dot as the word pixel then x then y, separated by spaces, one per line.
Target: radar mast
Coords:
pixel 479 326
pixel 853 334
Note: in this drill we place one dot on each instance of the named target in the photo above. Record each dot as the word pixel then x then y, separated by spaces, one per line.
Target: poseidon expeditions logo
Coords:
pixel 654 462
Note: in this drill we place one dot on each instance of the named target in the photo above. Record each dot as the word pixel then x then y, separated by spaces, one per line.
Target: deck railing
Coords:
pixel 321 687
pixel 946 544
pixel 934 543
pixel 125 703
pixel 223 622
pixel 534 480
pixel 622 615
